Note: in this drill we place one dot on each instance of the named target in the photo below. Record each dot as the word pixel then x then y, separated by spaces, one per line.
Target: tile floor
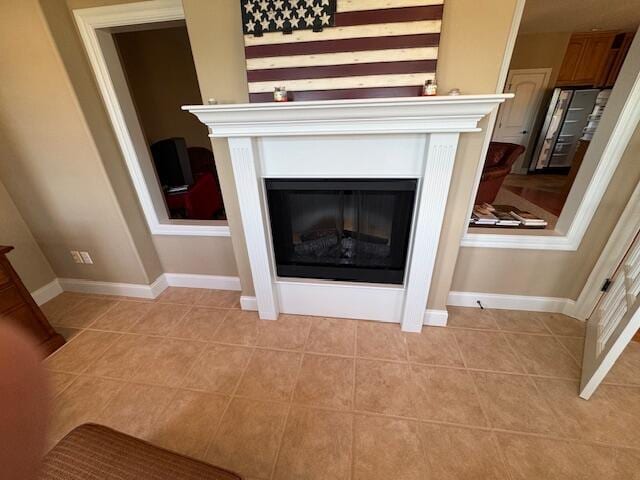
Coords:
pixel 494 396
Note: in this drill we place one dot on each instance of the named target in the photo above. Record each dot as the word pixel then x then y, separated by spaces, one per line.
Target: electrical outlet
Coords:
pixel 76 256
pixel 86 258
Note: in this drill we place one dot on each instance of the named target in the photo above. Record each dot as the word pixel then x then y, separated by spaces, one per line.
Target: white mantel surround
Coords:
pixel 412 137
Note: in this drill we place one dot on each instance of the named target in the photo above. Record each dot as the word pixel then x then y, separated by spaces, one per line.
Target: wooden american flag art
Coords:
pixel 337 49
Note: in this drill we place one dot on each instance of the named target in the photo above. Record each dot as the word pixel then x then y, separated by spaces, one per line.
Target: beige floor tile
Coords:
pixel 190 421
pixel 161 319
pixel 325 381
pixel 610 415
pixel 610 463
pixel 519 321
pixel 461 453
pixel 289 332
pixel 316 445
pixel 332 335
pixel 434 346
pixel 512 402
pixel 487 351
pixel 381 340
pixel 79 353
pixel 270 375
pixel 626 370
pixel 59 306
pixel 248 437
pixel 82 402
pixel 386 448
pixel 384 387
pixel 471 318
pixel 182 295
pixel 532 458
pixel 219 298
pixel 58 382
pixel 138 410
pixel 239 327
pixel 170 363
pixel 542 355
pixel 447 395
pixel 122 316
pixel 575 346
pixel 67 332
pixel 201 323
pixel 127 355
pixel 563 325
pixel 85 312
pixel 218 369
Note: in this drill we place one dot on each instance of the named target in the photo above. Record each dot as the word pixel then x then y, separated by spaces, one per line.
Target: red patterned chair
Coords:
pixel 500 158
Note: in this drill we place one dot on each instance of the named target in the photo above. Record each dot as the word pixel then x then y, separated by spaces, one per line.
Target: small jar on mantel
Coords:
pixel 280 94
pixel 429 89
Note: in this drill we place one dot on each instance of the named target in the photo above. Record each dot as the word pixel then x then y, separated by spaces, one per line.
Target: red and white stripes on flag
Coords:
pixel 377 48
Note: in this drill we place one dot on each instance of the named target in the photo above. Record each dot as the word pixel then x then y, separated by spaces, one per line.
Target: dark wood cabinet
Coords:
pixel 18 308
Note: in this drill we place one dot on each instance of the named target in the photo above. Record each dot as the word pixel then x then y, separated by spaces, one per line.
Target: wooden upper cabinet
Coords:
pixel 617 55
pixel 586 59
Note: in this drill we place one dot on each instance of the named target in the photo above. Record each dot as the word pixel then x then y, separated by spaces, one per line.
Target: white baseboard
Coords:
pixel 512 302
pixel 213 282
pixel 107 288
pixel 435 318
pixel 46 293
pixel 249 303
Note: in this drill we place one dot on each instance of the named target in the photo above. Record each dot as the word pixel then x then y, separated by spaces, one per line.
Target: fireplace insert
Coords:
pixel 341 229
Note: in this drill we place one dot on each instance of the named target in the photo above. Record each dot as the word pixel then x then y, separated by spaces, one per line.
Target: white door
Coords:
pixel 517 115
pixel 613 323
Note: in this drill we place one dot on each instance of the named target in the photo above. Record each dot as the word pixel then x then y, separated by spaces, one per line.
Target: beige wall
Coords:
pixel 540 50
pixel 162 77
pixel 50 163
pixel 172 254
pixel 27 258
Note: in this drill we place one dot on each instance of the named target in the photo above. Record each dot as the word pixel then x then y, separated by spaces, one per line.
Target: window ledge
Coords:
pixel 192 229
pixel 551 241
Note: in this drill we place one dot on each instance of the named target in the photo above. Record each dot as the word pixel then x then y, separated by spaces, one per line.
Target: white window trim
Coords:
pixel 613 151
pixel 89 22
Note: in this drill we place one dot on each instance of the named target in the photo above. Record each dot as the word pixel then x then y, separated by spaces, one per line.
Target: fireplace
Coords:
pixel 353 229
pixel 301 220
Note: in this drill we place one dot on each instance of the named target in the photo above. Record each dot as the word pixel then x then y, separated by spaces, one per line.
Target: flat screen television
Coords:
pixel 171 160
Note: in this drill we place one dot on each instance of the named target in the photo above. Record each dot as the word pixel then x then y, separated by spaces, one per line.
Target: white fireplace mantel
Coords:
pixel 412 137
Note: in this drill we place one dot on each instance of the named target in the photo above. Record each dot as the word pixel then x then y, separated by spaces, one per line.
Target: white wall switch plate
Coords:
pixel 76 256
pixel 86 258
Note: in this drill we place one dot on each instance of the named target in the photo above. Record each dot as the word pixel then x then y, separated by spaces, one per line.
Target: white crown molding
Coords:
pixel 512 302
pixel 47 292
pixel 442 114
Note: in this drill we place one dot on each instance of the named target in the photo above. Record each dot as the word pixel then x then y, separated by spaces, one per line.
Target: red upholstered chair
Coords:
pixel 201 201
pixel 500 158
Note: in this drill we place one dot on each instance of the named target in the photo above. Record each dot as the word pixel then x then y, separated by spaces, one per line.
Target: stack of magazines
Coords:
pixel 504 216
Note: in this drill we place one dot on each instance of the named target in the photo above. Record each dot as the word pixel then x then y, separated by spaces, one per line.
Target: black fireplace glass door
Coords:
pixel 355 230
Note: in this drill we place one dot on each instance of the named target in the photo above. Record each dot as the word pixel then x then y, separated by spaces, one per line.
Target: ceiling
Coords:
pixel 580 15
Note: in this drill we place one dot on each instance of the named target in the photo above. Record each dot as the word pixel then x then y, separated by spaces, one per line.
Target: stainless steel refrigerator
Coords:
pixel 569 112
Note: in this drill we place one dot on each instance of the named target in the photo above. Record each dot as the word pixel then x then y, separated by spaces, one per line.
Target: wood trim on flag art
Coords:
pixel 352 49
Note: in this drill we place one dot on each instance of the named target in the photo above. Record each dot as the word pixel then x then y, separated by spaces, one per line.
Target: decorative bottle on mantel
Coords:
pixel 430 88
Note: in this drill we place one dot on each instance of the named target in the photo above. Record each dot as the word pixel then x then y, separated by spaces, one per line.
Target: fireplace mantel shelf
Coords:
pixel 440 114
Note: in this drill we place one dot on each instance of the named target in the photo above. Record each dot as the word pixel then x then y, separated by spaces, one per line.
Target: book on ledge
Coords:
pixel 529 219
pixel 483 216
